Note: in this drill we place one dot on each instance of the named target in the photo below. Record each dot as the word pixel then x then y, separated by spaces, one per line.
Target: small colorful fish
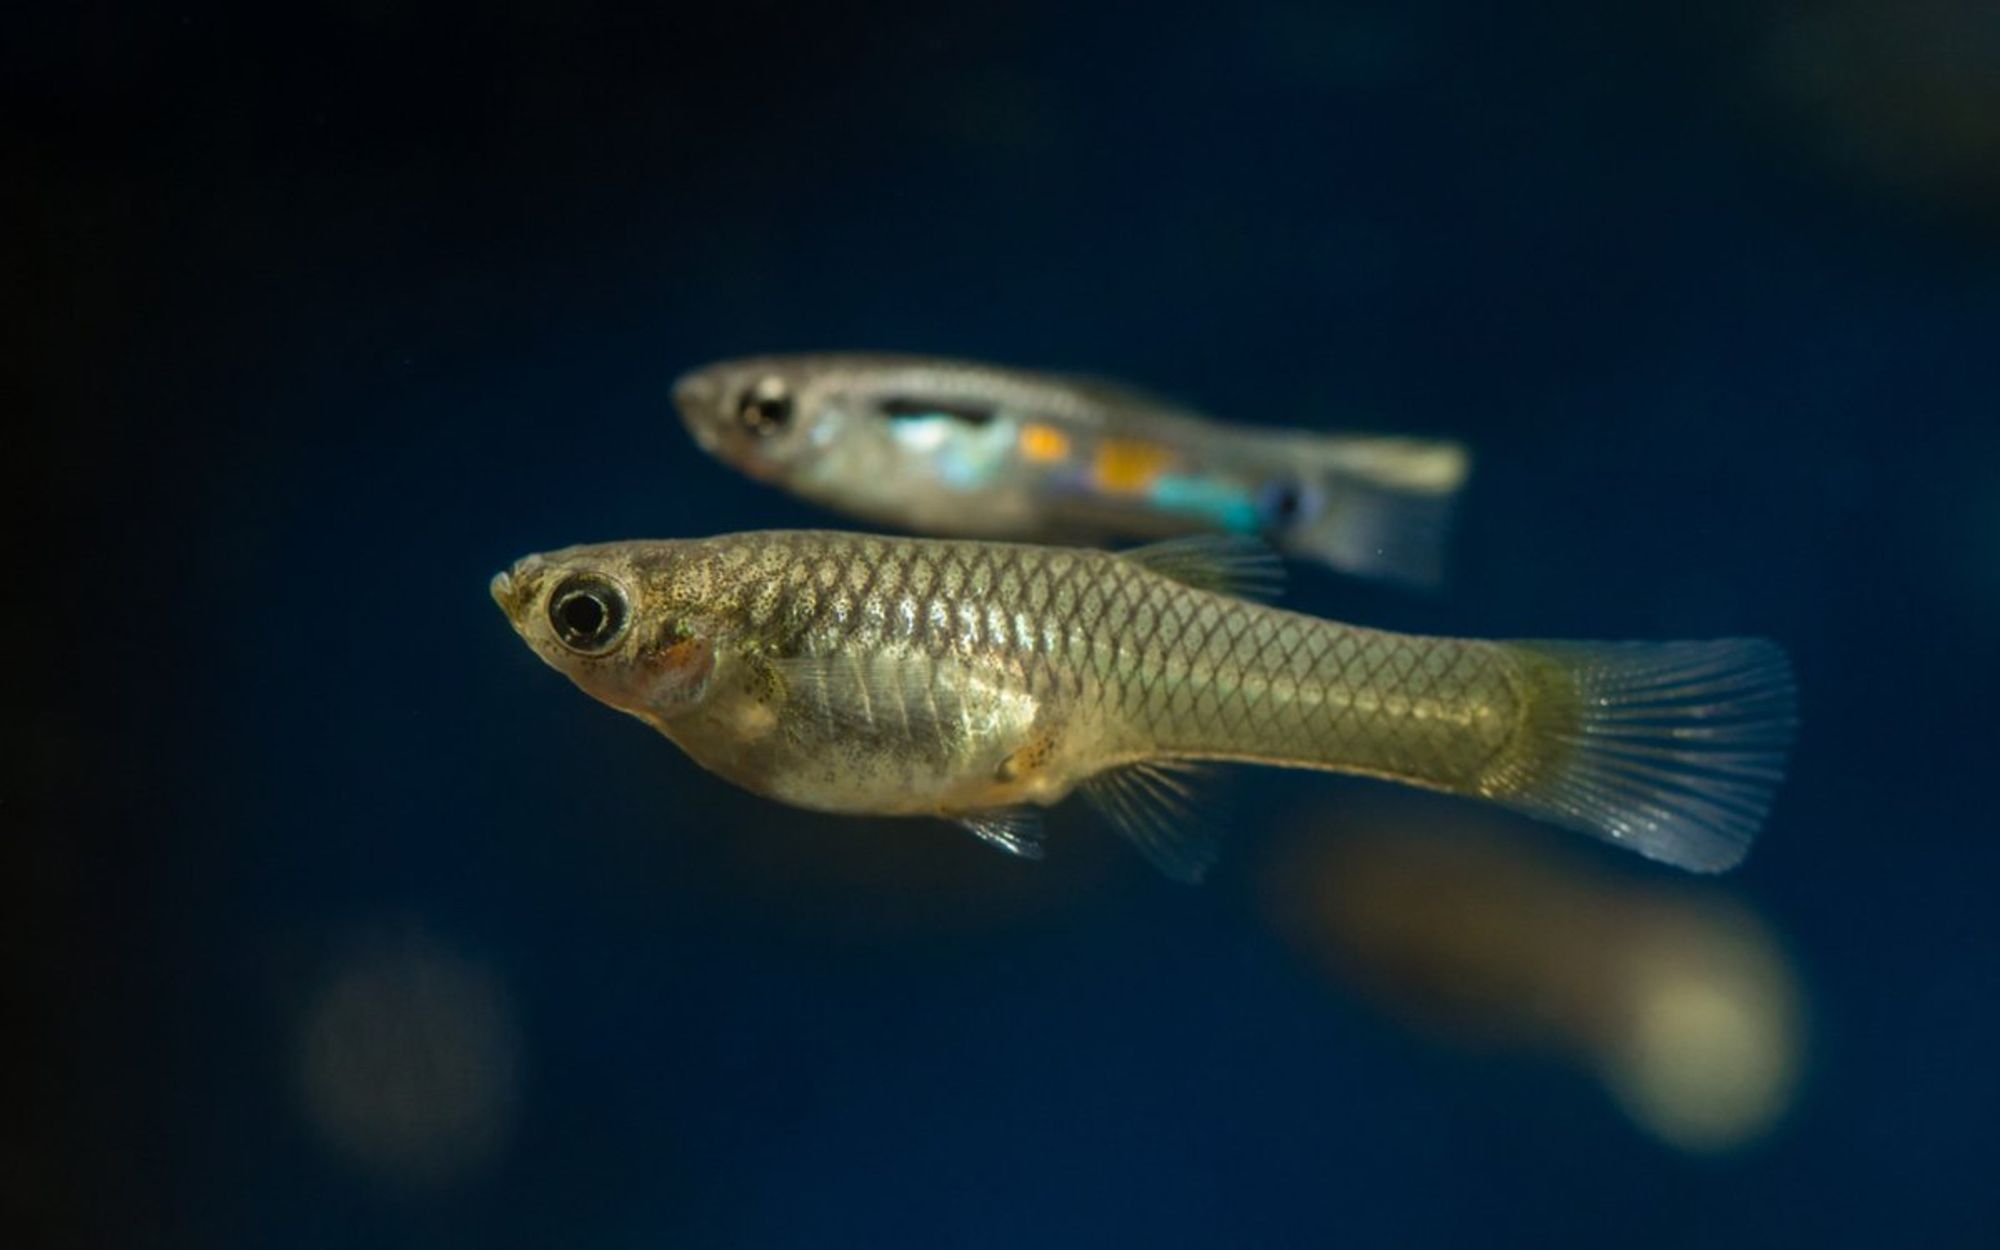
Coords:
pixel 958 449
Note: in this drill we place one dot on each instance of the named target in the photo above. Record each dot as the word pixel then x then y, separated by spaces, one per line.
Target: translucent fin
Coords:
pixel 1152 804
pixel 1372 530
pixel 1673 749
pixel 1227 564
pixel 869 694
pixel 1015 830
pixel 1429 466
pixel 910 695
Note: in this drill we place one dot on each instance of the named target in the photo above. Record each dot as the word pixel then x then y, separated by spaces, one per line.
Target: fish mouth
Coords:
pixel 512 587
pixel 694 394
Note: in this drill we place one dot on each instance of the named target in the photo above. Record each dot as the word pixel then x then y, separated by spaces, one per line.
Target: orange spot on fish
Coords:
pixel 1124 466
pixel 1044 443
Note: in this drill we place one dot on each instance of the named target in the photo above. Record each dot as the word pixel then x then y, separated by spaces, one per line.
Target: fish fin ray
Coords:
pixel 875 694
pixel 1015 830
pixel 1372 529
pixel 1430 466
pixel 1673 749
pixel 1152 804
pixel 1227 564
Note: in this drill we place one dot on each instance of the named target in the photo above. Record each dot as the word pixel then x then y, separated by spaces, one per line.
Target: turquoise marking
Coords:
pixel 1217 502
pixel 922 434
pixel 963 457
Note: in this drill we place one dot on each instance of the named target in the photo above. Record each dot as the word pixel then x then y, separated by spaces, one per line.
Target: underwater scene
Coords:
pixel 961 625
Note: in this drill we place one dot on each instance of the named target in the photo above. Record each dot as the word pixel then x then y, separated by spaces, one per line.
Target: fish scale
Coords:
pixel 1158 665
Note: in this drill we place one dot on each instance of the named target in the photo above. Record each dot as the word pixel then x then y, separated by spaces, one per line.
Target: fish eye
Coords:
pixel 588 613
pixel 1282 502
pixel 765 408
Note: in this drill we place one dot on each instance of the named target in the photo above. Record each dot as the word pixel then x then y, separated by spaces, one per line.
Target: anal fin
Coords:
pixel 1152 804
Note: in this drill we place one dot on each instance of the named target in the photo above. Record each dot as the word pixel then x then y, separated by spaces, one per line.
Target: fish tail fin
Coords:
pixel 1673 749
pixel 1381 507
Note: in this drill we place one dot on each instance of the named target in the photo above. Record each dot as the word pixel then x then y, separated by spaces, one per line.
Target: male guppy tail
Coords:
pixel 1380 507
pixel 1673 749
pixel 1375 531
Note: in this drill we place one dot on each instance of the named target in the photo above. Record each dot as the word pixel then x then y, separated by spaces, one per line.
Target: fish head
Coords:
pixel 635 625
pixel 907 441
pixel 771 417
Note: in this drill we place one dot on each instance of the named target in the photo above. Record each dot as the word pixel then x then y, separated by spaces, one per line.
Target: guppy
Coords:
pixel 981 681
pixel 957 449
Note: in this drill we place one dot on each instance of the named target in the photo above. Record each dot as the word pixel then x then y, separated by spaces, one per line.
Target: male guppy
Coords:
pixel 979 681
pixel 954 448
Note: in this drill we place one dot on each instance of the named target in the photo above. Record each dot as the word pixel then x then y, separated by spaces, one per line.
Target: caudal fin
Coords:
pixel 1673 749
pixel 1380 507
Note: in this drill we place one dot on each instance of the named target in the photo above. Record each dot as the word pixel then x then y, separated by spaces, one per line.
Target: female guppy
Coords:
pixel 979 681
pixel 954 448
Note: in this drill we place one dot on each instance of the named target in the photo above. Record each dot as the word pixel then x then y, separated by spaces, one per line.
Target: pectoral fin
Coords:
pixel 911 695
pixel 868 693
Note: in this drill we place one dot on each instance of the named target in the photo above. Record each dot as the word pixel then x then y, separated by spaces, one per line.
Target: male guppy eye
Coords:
pixel 588 613
pixel 765 408
pixel 1281 503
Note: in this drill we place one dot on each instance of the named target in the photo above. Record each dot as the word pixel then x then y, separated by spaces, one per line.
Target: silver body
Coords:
pixel 955 448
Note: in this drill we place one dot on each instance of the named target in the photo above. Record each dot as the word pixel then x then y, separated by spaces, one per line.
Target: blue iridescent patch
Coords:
pixel 1220 503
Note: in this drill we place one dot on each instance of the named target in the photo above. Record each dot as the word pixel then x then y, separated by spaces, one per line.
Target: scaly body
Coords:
pixel 905 676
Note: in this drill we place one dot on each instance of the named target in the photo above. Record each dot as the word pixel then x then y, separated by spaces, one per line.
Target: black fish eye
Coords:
pixel 1282 503
pixel 588 613
pixel 765 408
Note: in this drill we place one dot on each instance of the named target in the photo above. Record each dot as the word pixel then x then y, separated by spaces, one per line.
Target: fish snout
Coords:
pixel 511 588
pixel 696 394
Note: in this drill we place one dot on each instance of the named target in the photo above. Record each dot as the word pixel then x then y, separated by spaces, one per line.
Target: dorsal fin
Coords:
pixel 1228 564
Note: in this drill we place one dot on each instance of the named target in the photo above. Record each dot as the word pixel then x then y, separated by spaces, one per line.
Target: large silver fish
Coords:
pixel 979 681
pixel 951 448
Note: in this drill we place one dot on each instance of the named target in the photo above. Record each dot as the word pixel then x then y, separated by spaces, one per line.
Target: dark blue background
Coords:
pixel 328 315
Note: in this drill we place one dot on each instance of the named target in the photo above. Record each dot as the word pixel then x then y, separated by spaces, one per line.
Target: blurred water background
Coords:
pixel 339 920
